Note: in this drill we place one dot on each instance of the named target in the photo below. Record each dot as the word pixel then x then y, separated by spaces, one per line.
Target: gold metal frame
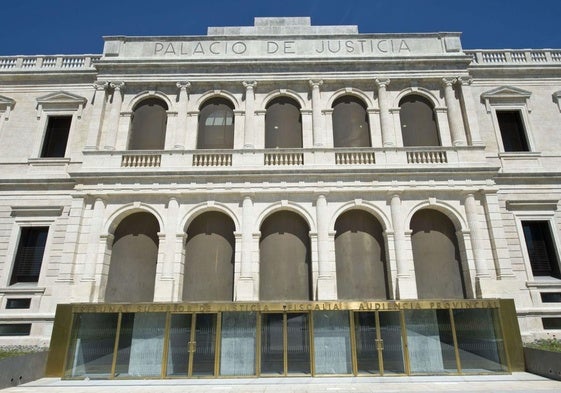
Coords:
pixel 63 333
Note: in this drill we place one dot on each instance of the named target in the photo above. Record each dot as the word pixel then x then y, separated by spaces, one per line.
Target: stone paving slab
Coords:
pixel 517 382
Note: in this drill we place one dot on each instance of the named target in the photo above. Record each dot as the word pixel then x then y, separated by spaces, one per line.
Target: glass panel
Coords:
pixel 298 343
pixel 332 342
pixel 365 336
pixel 237 348
pixel 272 348
pixel 205 339
pixel 141 344
pixel 480 343
pixel 178 343
pixel 390 332
pixel 430 341
pixel 91 351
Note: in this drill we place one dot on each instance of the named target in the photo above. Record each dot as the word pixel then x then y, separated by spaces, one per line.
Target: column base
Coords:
pixel 327 288
pixel 245 288
pixel 406 288
pixel 165 290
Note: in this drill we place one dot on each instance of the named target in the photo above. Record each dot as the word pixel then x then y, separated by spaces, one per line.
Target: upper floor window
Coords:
pixel 283 124
pixel 541 248
pixel 56 136
pixel 216 125
pixel 148 128
pixel 350 123
pixel 418 122
pixel 29 255
pixel 512 130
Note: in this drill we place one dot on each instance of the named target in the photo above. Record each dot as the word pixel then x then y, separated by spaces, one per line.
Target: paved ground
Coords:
pixel 517 382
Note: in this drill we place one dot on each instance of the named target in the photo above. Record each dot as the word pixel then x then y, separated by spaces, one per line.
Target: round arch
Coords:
pixel 443 207
pixel 365 206
pixel 137 99
pixel 288 206
pixel 282 93
pixel 217 93
pixel 349 91
pixel 420 91
pixel 121 213
pixel 209 206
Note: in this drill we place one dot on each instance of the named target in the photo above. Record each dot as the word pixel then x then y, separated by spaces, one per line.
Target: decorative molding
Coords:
pixel 6 105
pixel 557 99
pixel 532 205
pixel 506 95
pixel 61 101
pixel 36 211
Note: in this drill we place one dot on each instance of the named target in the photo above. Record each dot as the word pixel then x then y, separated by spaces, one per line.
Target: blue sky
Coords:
pixel 73 27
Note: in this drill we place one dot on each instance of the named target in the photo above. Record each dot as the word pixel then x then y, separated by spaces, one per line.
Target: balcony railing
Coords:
pixel 427 157
pixel 516 57
pixel 212 159
pixel 284 158
pixel 47 63
pixel 355 158
pixel 141 160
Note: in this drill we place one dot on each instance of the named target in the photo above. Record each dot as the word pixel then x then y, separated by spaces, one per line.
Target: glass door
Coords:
pixel 192 345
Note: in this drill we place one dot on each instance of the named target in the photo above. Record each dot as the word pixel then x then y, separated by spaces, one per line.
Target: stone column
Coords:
pixel 113 126
pixel 180 130
pixel 454 114
pixel 97 114
pixel 249 127
pixel 316 113
pixel 476 242
pixel 96 223
pixel 71 241
pixel 405 284
pixel 245 286
pixel 327 287
pixel 190 138
pixel 386 123
pixel 470 111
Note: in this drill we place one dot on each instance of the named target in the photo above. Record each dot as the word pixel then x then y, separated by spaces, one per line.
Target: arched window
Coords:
pixel 283 124
pixel 209 258
pixel 148 128
pixel 216 125
pixel 284 258
pixel 134 255
pixel 360 257
pixel 350 123
pixel 418 121
pixel 436 256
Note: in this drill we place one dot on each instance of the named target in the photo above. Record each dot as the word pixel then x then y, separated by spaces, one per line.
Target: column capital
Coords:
pixel 315 83
pixel 446 82
pixel 183 85
pixel 100 85
pixel 465 80
pixel 117 85
pixel 249 85
pixel 382 82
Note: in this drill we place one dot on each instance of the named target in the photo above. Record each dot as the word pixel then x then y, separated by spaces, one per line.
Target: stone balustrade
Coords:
pixel 355 158
pixel 427 157
pixel 284 158
pixel 513 56
pixel 47 63
pixel 148 160
pixel 212 159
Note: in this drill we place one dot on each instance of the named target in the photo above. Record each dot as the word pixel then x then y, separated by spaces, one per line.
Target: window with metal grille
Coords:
pixel 56 136
pixel 541 250
pixel 29 256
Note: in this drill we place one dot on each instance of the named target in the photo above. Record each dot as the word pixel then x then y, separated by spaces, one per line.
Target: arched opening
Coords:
pixel 216 124
pixel 350 123
pixel 148 128
pixel 418 121
pixel 360 257
pixel 209 258
pixel 134 255
pixel 284 258
pixel 283 124
pixel 436 255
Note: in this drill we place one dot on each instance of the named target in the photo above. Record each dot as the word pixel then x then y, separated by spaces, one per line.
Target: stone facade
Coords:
pixel 83 195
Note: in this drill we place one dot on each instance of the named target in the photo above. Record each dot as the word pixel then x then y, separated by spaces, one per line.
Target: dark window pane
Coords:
pixel 512 131
pixel 15 329
pixel 29 256
pixel 216 125
pixel 418 122
pixel 541 251
pixel 551 297
pixel 56 136
pixel 283 124
pixel 18 303
pixel 350 123
pixel 551 323
pixel 148 130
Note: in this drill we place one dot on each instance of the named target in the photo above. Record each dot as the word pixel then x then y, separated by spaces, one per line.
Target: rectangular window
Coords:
pixel 551 323
pixel 18 303
pixel 56 136
pixel 541 250
pixel 29 256
pixel 15 329
pixel 512 129
pixel 551 297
